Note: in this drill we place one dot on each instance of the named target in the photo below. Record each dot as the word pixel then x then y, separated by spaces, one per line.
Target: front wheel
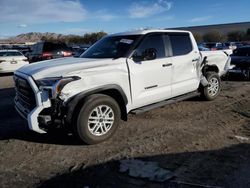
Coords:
pixel 212 90
pixel 98 119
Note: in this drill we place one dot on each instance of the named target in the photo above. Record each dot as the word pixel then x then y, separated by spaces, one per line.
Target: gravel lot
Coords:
pixel 202 143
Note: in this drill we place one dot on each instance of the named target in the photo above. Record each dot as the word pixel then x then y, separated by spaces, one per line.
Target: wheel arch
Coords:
pixel 210 68
pixel 114 91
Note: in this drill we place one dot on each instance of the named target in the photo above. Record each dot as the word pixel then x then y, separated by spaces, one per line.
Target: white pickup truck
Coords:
pixel 122 73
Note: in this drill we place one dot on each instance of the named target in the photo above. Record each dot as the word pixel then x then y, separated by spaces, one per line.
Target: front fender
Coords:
pixel 72 104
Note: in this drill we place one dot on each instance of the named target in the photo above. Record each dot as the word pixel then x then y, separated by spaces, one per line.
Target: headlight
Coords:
pixel 48 81
pixel 55 84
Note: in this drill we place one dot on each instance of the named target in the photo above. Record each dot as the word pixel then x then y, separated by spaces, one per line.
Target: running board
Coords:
pixel 164 103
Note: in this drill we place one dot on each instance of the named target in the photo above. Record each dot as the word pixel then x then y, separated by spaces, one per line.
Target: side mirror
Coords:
pixel 136 57
pixel 148 54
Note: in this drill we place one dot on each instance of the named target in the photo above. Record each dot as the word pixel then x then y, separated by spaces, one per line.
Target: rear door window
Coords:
pixel 181 44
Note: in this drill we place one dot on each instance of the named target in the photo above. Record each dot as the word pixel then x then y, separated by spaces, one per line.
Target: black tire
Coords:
pixel 206 92
pixel 247 74
pixel 87 112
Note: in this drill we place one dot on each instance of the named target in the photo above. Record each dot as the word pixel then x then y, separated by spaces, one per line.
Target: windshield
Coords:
pixel 5 54
pixel 111 47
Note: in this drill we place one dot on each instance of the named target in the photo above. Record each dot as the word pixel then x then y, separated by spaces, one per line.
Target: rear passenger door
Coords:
pixel 185 60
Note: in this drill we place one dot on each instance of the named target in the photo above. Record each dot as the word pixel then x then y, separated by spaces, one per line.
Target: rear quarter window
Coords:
pixel 181 44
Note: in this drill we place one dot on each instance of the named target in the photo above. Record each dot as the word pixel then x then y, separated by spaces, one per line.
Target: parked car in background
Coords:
pixel 11 60
pixel 230 45
pixel 23 49
pixel 239 44
pixel 215 46
pixel 233 45
pixel 48 50
pixel 77 51
pixel 203 48
pixel 241 61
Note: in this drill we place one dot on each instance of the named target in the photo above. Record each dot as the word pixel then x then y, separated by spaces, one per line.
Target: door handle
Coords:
pixel 167 65
pixel 197 59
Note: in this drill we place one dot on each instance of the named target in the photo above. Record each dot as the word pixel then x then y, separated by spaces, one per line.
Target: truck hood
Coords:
pixel 62 66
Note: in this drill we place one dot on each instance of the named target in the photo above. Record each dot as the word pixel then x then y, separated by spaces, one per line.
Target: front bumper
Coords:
pixel 41 99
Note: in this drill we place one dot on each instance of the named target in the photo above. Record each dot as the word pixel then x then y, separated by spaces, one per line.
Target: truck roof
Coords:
pixel 146 31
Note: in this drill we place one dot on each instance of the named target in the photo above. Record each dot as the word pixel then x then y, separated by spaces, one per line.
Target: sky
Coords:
pixel 84 16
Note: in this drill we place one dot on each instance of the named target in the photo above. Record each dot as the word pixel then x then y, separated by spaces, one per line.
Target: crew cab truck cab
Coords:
pixel 122 73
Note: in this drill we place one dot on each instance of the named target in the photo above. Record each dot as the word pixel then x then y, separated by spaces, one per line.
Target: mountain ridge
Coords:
pixel 33 37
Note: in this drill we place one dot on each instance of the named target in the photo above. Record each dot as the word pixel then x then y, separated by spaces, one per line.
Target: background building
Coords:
pixel 222 28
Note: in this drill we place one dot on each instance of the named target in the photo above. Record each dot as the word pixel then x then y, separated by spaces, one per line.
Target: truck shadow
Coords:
pixel 12 126
pixel 226 167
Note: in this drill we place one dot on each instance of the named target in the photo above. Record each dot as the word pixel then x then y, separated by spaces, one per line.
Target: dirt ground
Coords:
pixel 196 140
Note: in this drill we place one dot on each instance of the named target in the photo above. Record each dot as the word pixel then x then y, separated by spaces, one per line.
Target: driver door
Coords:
pixel 150 79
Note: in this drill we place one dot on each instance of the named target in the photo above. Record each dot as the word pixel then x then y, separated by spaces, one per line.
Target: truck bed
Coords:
pixel 219 58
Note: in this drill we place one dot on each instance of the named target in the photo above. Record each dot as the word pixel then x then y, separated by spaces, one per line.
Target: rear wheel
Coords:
pixel 212 90
pixel 98 119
